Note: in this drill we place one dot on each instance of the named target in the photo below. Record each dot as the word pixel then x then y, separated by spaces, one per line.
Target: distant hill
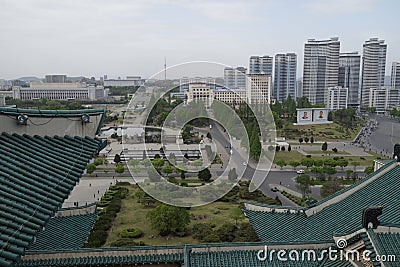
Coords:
pixel 30 79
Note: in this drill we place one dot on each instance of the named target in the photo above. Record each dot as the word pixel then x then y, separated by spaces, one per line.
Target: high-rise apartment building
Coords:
pixel 285 76
pixel 261 64
pixel 395 78
pixel 321 68
pixel 349 75
pixel 373 68
pixel 235 78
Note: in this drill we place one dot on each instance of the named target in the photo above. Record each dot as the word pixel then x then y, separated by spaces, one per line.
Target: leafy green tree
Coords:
pixel 294 164
pixel 236 214
pixel 324 146
pixel 342 163
pixel 90 168
pixel 301 140
pixel 312 140
pixel 369 170
pixel 308 162
pixel 303 183
pixel 167 169
pixel 119 168
pixel 289 148
pixel 204 175
pixel 98 161
pixel 306 139
pixel 167 219
pixel 330 188
pixel 158 163
pixel 281 163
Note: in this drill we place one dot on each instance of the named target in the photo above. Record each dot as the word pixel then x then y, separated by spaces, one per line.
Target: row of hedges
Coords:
pixel 98 235
pixel 298 200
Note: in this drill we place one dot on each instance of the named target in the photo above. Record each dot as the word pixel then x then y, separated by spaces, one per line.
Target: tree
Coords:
pixel 277 148
pixel 119 168
pixel 289 148
pixel 167 219
pixel 300 140
pixel 281 163
pixel 209 136
pixel 205 175
pixel 324 146
pixel 306 139
pixel 294 164
pixel 303 183
pixel 369 170
pixel 330 188
pixel 232 175
pixel 342 163
pixel 167 169
pixel 308 162
pixel 90 168
pixel 117 158
pixel 348 173
pixel 283 148
pixel 158 163
pixel 98 161
pixel 236 214
pixel 312 140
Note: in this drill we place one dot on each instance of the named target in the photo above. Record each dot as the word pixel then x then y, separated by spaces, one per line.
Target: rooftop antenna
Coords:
pixel 165 68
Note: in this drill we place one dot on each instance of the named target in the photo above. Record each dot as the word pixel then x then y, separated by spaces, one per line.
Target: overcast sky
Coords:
pixel 132 37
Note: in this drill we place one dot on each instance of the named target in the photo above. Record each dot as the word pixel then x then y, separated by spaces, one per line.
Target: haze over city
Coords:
pixel 119 38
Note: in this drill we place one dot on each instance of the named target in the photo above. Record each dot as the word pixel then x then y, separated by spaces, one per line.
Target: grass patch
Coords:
pixel 133 216
pixel 330 152
pixel 321 132
pixel 297 156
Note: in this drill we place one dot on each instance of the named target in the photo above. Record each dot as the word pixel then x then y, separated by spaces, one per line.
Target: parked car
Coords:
pixel 274 189
pixel 300 172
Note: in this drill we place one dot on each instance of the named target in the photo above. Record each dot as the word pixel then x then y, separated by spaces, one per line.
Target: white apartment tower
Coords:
pixel 373 68
pixel 321 68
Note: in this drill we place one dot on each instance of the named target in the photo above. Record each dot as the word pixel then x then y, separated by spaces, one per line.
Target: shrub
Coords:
pixel 131 233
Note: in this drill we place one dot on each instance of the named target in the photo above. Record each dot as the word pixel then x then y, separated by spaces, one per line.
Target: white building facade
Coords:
pixel 337 98
pixel 59 91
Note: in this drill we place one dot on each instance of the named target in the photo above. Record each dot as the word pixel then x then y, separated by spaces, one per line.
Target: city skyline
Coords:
pixel 97 37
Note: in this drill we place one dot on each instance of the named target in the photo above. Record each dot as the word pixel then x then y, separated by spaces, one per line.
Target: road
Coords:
pixel 385 136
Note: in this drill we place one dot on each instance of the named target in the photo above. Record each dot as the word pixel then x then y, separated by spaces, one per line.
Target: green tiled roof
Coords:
pixel 387 244
pixel 10 111
pixel 203 255
pixel 341 216
pixel 36 176
pixel 65 232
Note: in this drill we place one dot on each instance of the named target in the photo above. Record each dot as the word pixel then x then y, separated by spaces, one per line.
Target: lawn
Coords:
pixel 133 215
pixel 330 152
pixel 296 156
pixel 321 132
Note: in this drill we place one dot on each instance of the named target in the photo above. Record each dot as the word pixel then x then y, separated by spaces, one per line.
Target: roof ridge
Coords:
pixel 348 191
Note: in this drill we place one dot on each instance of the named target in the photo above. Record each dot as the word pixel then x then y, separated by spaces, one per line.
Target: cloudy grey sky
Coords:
pixel 131 37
